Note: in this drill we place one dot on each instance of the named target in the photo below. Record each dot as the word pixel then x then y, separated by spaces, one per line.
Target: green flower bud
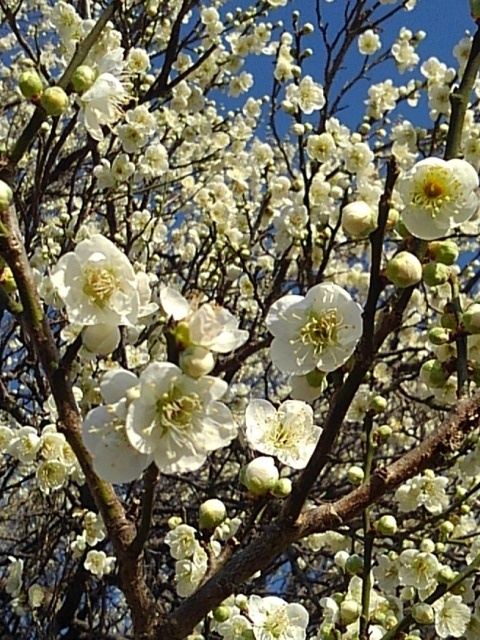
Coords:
pixel 282 488
pixel 433 375
pixel 446 528
pixel 383 432
pixel 445 575
pixel 404 270
pixel 221 613
pixel 445 251
pixel 83 78
pixel 7 281
pixel 378 404
pixel 423 613
pixel 211 513
pixel 354 565
pixel 174 522
pixel 30 84
pixel 435 273
pixel 439 335
pixel 471 318
pixel 55 101
pixel 181 334
pixel 386 525
pixel 247 634
pixel 402 230
pixel 356 475
pixel 350 611
pixel 6 195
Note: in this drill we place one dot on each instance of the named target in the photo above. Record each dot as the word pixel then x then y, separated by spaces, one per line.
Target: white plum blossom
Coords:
pixel 182 541
pixel 319 330
pixel 438 195
pixel 98 563
pixel 104 434
pixel 209 326
pixel 369 42
pixel 451 616
pixel 307 96
pixel 101 104
pixel 189 573
pixel 274 619
pixel 14 580
pixel 287 433
pixel 177 420
pixel 24 445
pixel 418 569
pixel 97 283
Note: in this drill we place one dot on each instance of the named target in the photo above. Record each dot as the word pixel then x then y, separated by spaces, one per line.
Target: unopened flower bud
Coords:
pixel 55 101
pixel 392 219
pixel 7 281
pixel 282 488
pixel 221 613
pixel 211 513
pixel 354 565
pixel 101 338
pixel 471 318
pixel 445 575
pixel 174 522
pixel 436 273
pixel 358 219
pixel 439 335
pixel 378 404
pixel 386 526
pixel 446 528
pixel 445 251
pixel 350 611
pixel 30 84
pixel 423 613
pixel 83 78
pixel 196 361
pixel 6 195
pixel 404 270
pixel 433 375
pixel 260 475
pixel 383 433
pixel 355 475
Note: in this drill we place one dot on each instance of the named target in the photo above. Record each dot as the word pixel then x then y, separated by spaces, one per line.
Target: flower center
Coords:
pixel 276 624
pixel 175 411
pixel 100 285
pixel 435 189
pixel 321 330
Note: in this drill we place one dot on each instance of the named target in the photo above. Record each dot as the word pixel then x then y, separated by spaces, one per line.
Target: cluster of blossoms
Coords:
pixel 49 454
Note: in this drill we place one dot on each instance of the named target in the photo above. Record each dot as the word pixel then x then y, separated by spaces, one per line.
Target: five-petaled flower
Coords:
pixel 438 194
pixel 319 330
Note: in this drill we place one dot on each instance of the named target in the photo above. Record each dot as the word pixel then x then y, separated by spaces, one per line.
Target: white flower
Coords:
pixel 97 283
pixel 114 458
pixel 182 541
pixel 368 43
pixel 13 582
pixel 418 569
pixel 36 595
pixel 274 619
pixel 438 194
pixel 189 573
pixel 209 326
pixel 100 105
pixel 98 563
pixel 24 446
pixel 319 330
pixel 451 616
pixel 94 528
pixel 307 96
pixel 289 433
pixel 178 420
pixel 51 475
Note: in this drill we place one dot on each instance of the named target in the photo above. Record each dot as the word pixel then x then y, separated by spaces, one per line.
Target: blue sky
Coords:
pixel 444 21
